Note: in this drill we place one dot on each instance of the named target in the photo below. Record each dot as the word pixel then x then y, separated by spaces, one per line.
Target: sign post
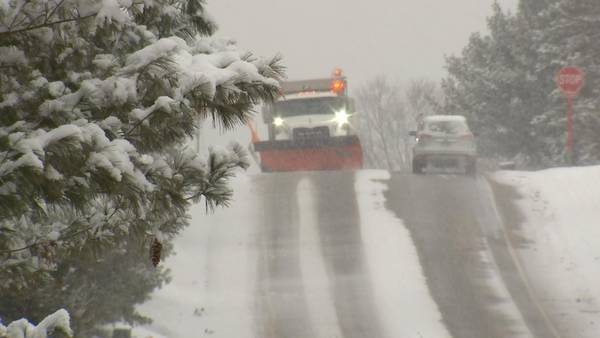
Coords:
pixel 569 80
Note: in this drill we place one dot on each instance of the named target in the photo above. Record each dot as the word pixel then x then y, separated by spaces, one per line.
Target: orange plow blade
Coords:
pixel 337 153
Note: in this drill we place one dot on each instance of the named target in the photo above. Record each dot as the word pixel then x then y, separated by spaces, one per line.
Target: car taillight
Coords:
pixel 423 137
pixel 468 136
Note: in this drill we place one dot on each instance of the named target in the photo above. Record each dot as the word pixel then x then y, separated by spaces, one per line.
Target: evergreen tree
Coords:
pixel 96 287
pixel 489 84
pixel 567 36
pixel 97 98
pixel 504 81
pixel 530 9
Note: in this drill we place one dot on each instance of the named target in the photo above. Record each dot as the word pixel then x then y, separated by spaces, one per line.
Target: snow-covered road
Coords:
pixel 450 220
pixel 352 254
pixel 297 255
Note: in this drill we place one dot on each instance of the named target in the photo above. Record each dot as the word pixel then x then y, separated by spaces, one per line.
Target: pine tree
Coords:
pixel 504 81
pixel 96 287
pixel 491 84
pixel 567 36
pixel 97 99
pixel 530 9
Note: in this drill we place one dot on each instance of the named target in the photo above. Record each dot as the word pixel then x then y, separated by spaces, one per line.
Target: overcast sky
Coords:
pixel 403 38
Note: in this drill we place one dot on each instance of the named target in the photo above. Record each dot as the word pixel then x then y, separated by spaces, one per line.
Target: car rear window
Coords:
pixel 446 127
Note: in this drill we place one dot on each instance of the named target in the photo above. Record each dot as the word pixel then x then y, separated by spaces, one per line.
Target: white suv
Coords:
pixel 444 141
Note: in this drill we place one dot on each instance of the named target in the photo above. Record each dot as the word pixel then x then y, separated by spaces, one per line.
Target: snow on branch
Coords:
pixel 215 62
pixel 22 328
pixel 17 16
pixel 94 123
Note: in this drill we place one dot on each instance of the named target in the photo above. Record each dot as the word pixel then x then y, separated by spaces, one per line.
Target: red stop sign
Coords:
pixel 570 80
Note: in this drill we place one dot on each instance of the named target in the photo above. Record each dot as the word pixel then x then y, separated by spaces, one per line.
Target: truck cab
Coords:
pixel 312 126
pixel 312 109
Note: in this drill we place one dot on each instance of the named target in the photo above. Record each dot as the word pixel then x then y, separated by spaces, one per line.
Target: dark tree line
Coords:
pixel 504 82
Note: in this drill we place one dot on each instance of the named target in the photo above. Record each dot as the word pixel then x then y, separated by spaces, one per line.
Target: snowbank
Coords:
pixel 405 304
pixel 561 252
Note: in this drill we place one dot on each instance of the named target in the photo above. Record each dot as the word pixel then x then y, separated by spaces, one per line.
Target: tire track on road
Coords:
pixel 440 213
pixel 345 261
pixel 282 310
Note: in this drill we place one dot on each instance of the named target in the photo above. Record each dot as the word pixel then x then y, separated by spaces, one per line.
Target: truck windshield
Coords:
pixel 310 106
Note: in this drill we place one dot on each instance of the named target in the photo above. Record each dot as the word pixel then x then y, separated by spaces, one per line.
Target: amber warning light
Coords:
pixel 337 85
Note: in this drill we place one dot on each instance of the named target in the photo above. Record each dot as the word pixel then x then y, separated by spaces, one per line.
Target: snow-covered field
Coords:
pixel 213 291
pixel 561 209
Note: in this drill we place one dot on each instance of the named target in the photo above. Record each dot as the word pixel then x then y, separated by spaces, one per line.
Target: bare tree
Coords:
pixel 388 111
pixel 383 122
pixel 424 97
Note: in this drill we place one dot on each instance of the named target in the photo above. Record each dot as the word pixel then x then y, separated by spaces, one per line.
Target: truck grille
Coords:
pixel 310 133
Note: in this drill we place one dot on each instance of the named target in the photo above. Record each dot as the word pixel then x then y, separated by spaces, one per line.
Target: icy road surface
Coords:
pixel 349 254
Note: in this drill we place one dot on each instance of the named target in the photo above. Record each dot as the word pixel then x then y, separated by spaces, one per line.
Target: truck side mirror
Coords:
pixel 267 113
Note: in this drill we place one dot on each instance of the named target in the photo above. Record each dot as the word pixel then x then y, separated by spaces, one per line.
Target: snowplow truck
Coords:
pixel 312 126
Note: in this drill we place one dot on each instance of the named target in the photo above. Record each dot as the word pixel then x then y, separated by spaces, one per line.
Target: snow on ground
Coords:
pixel 493 228
pixel 561 208
pixel 505 304
pixel 405 304
pixel 214 271
pixel 319 299
pixel 214 274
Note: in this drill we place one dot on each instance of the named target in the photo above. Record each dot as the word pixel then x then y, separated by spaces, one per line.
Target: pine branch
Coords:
pixel 36 243
pixel 276 68
pixel 54 11
pixel 20 249
pixel 19 12
pixel 48 24
pixel 47 17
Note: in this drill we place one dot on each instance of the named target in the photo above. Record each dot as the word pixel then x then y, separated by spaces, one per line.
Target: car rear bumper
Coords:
pixel 430 154
pixel 463 161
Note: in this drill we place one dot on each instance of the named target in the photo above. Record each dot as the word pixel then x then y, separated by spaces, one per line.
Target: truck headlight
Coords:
pixel 341 118
pixel 278 122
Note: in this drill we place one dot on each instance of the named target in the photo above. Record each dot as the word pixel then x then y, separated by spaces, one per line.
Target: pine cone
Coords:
pixel 155 251
pixel 47 251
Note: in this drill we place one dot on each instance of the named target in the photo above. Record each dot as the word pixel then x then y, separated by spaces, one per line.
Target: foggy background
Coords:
pixel 402 39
